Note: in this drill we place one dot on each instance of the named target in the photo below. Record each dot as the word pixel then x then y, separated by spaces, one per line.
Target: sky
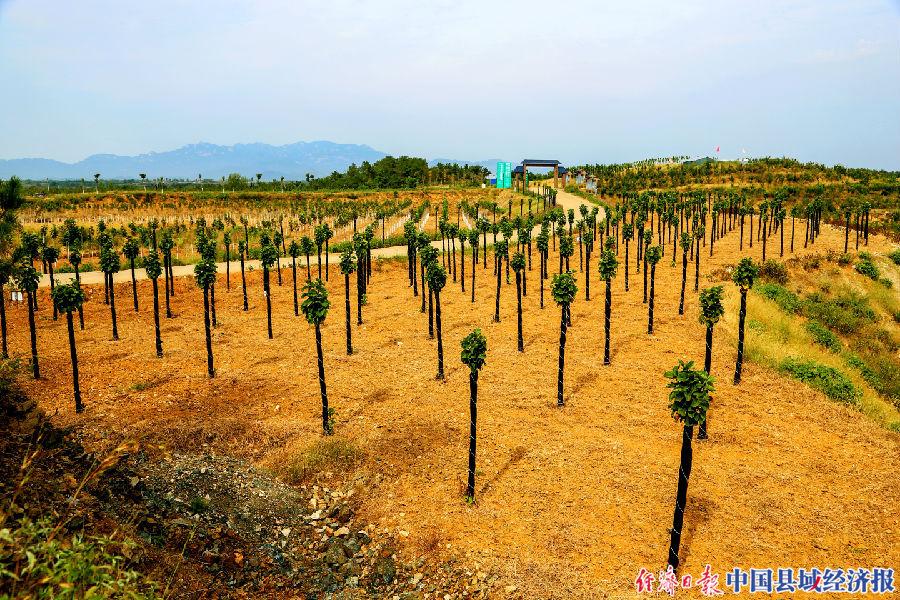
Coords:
pixel 591 81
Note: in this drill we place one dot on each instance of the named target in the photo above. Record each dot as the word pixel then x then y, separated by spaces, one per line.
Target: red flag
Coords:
pixel 717 148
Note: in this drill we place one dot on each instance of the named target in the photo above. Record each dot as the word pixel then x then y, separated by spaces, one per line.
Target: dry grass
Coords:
pixel 572 501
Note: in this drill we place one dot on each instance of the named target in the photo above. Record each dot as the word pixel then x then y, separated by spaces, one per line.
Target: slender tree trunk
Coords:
pixel 707 365
pixel 3 323
pixel 652 294
pixel 519 299
pixel 846 232
pixel 278 266
pixel 645 275
pixel 430 313
pixel 112 306
pixel 440 340
pixel 626 265
pixel 741 246
pixel 697 271
pixel 244 283
pixel 168 291
pixel 106 290
pixel 209 355
pixel 424 300
pixel 473 420
pixel 542 278
pixel 497 302
pixel 212 304
pixel 79 407
pixel 319 253
pixel 740 347
pixel 792 234
pixel 133 286
pixel 684 474
pixel 607 314
pixel 326 427
pixel 474 264
pixel 326 260
pixel 159 349
pixel 267 290
pixel 308 271
pixel 462 265
pixel 562 357
pixel 347 311
pixel 35 369
pixel 294 276
pixel 80 307
pixel 171 274
pixel 684 260
pixel 227 268
pixel 53 286
pixel 764 236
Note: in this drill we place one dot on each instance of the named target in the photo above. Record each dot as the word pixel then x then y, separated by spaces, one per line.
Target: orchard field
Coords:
pixel 573 495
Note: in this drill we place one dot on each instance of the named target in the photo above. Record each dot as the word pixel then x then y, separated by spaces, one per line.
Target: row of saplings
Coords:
pixel 690 395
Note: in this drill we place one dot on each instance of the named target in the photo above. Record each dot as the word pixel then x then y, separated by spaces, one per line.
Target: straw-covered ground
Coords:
pixel 571 501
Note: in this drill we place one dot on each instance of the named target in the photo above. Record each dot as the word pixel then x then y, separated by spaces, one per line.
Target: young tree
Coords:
pixel 154 270
pixel 307 247
pixel 437 278
pixel 699 234
pixel 50 254
pixel 689 401
pixel 277 243
pixel 75 261
pixel 627 234
pixel 205 274
pixel 109 263
pixel 518 265
pixel 329 233
pixel 321 236
pixel 28 278
pixel 66 299
pixel 501 251
pixel 429 256
pixel 653 256
pixel 463 235
pixel 711 310
pixel 474 354
pixel 6 272
pixel 294 251
pixel 166 244
pixel 648 239
pixel 268 254
pixel 563 290
pixel 588 238
pixel 473 241
pixel 315 309
pixel 131 250
pixel 242 251
pixel 543 244
pixel 348 265
pixel 226 241
pixel 743 276
pixel 607 267
pixel 685 246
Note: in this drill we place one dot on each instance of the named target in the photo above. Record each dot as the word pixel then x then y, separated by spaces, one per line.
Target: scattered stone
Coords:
pixel 343 531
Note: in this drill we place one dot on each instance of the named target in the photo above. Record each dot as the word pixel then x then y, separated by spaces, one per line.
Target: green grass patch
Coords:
pixel 828 380
pixel 786 300
pixel 331 454
pixel 824 336
pixel 845 313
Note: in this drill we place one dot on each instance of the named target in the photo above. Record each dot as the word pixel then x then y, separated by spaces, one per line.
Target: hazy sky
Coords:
pixel 581 81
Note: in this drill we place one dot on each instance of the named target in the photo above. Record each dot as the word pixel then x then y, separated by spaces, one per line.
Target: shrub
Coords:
pixel 823 336
pixel 886 282
pixel 785 299
pixel 829 381
pixel 846 313
pixel 773 271
pixel 51 566
pixel 895 256
pixel 866 267
pixel 845 259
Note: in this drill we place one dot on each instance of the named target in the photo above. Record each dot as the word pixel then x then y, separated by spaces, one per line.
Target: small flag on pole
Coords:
pixel 717 149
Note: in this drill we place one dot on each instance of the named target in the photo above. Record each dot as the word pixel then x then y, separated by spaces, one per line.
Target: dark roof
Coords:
pixel 520 169
pixel 533 162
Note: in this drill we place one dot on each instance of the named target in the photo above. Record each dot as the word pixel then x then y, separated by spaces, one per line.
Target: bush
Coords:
pixel 845 259
pixel 785 299
pixel 829 381
pixel 332 454
pixel 881 372
pixel 886 282
pixel 846 313
pixel 866 267
pixel 773 271
pixel 36 564
pixel 895 256
pixel 823 336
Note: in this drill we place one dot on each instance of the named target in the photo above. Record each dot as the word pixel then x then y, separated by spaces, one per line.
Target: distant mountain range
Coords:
pixel 291 161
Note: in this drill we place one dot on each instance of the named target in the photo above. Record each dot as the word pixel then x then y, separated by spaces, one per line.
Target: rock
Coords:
pixel 315 516
pixel 416 579
pixel 344 513
pixel 335 555
pixel 352 546
pixel 411 596
pixel 384 570
pixel 343 531
pixel 363 537
pixel 286 531
pixel 510 589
